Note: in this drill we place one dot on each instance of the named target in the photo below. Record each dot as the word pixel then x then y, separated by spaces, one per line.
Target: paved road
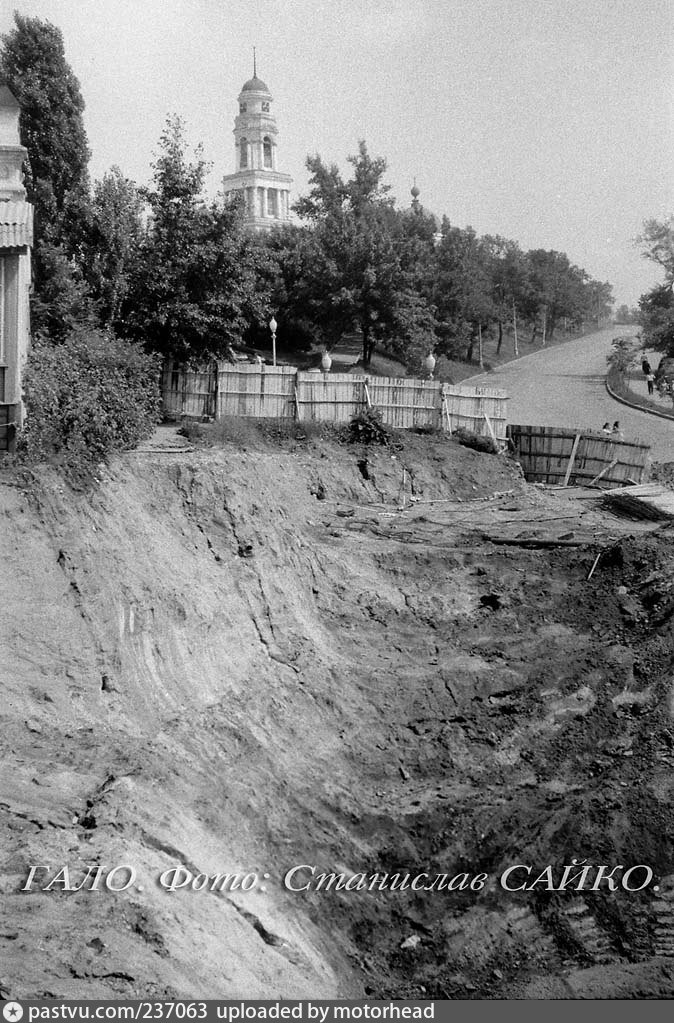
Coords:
pixel 564 386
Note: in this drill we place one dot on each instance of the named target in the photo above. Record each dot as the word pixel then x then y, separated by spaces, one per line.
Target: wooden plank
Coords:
pixel 606 469
pixel 572 458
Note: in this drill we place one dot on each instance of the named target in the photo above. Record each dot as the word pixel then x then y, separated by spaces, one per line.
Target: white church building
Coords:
pixel 264 188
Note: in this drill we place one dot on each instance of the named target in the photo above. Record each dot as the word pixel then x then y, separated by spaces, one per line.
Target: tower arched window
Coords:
pixel 266 151
pixel 243 159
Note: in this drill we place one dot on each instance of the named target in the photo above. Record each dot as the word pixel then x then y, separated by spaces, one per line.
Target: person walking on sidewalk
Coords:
pixel 650 380
pixel 645 366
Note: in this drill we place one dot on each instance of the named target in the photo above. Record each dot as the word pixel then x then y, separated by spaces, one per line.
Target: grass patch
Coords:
pixel 619 385
pixel 243 433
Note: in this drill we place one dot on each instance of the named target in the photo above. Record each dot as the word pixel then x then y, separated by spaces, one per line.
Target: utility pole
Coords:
pixel 517 351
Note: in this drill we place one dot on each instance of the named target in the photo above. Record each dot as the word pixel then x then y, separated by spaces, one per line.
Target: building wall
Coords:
pixel 14 331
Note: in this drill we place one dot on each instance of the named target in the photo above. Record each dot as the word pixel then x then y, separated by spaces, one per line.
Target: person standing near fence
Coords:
pixel 650 381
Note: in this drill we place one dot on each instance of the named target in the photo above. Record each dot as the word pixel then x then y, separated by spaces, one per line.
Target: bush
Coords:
pixel 368 428
pixel 475 441
pixel 86 398
pixel 624 353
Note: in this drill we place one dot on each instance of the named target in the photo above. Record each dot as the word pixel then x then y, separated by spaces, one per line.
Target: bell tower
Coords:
pixel 265 190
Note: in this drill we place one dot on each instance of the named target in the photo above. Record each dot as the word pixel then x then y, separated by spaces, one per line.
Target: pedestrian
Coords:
pixel 616 432
pixel 606 428
pixel 645 366
pixel 650 380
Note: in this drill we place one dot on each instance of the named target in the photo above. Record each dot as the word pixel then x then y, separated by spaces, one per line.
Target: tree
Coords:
pixel 193 292
pixel 656 316
pixel 626 315
pixel 656 307
pixel 33 63
pixel 358 279
pixel 111 245
pixel 63 302
pixel 509 276
pixel 284 263
pixel 463 289
pixel 34 66
pixel 562 290
pixel 657 243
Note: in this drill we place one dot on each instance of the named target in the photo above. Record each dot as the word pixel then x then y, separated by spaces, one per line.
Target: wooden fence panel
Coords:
pixel 262 392
pixel 468 407
pixel 405 402
pixel 189 392
pixel 551 454
pixel 329 397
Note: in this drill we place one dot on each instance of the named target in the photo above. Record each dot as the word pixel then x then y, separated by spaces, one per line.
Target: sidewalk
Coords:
pixel 636 381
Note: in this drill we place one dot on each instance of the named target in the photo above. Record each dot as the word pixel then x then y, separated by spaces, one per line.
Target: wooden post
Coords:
pixel 367 393
pixel 445 409
pixel 216 392
pixel 490 428
pixel 572 459
pixel 517 351
pixel 298 413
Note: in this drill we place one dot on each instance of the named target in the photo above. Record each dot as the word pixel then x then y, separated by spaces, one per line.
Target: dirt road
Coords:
pixel 564 386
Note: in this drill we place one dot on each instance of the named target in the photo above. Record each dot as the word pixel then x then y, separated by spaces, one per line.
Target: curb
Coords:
pixel 639 408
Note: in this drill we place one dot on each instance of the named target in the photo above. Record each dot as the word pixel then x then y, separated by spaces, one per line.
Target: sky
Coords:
pixel 549 122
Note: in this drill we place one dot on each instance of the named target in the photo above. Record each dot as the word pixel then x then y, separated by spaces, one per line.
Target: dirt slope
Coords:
pixel 246 660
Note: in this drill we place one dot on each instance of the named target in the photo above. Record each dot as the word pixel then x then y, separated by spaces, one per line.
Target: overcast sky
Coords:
pixel 547 121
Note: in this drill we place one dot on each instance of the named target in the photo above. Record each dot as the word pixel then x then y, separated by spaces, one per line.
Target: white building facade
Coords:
pixel 16 240
pixel 264 189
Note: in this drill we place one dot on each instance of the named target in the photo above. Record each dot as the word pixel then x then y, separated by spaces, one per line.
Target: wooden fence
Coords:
pixel 283 392
pixel 551 454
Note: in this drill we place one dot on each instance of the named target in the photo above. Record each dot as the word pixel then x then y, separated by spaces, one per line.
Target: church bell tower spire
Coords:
pixel 265 190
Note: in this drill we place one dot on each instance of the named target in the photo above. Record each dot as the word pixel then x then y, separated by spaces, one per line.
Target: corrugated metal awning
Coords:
pixel 16 225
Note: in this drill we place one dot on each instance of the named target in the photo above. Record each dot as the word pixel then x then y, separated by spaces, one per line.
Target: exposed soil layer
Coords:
pixel 251 658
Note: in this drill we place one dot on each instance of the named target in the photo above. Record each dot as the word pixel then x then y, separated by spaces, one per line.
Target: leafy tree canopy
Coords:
pixel 34 66
pixel 359 277
pixel 656 307
pixel 193 290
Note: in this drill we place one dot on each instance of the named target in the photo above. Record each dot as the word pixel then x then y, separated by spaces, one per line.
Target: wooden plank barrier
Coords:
pixel 329 397
pixel 283 392
pixel 260 392
pixel 187 392
pixel 552 454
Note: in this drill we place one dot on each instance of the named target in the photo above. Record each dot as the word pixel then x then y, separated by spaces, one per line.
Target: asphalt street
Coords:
pixel 565 386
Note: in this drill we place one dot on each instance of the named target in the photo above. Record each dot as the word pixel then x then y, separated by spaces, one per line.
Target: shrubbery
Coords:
pixel 86 398
pixel 368 427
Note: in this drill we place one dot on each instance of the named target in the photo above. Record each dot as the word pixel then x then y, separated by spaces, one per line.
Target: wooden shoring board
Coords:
pixel 545 455
pixel 572 458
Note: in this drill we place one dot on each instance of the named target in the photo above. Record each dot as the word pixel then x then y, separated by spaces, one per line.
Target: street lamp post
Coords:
pixel 272 326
